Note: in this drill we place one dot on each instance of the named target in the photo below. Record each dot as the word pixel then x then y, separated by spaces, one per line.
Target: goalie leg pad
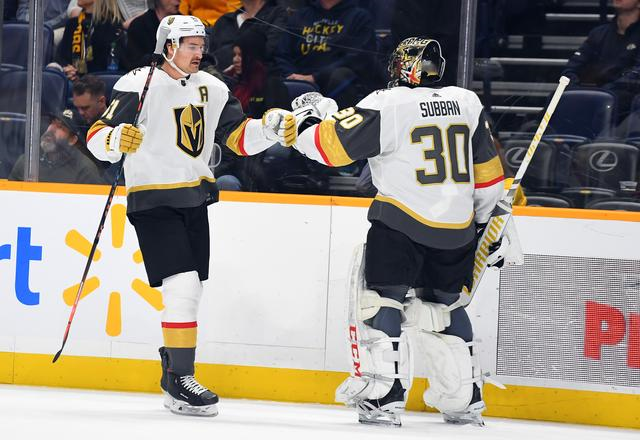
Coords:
pixel 449 371
pixel 376 356
pixel 426 316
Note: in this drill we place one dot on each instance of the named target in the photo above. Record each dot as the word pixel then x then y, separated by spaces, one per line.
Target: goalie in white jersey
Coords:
pixel 169 183
pixel 438 178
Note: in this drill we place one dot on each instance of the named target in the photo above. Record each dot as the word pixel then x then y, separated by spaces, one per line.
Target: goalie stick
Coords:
pixel 154 62
pixel 502 212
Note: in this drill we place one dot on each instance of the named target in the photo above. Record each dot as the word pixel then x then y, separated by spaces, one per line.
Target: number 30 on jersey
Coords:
pixel 455 165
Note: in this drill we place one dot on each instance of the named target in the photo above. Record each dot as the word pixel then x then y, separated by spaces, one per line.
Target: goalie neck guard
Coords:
pixel 416 62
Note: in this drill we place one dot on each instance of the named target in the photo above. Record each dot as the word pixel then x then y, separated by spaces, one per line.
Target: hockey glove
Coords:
pixel 125 138
pixel 311 108
pixel 506 250
pixel 279 125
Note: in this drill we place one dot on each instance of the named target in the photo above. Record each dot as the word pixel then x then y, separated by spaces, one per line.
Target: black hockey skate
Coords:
pixel 183 394
pixel 385 411
pixel 472 415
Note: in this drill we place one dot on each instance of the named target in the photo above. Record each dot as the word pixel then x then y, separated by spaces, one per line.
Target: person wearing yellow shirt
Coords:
pixel 208 10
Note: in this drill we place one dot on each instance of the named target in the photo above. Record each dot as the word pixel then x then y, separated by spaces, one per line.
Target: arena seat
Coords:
pixel 604 165
pixel 297 88
pixel 582 196
pixel 14 91
pixel 540 174
pixel 616 204
pixel 549 200
pixel 633 122
pixel 110 79
pixel 584 112
pixel 15 44
pixel 12 132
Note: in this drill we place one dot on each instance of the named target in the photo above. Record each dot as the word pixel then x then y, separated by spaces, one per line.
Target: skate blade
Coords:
pixel 380 422
pixel 462 420
pixel 184 409
pixel 393 422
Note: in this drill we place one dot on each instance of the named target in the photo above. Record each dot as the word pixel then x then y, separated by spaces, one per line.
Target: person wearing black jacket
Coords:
pixel 90 39
pixel 261 16
pixel 610 56
pixel 141 36
pixel 330 43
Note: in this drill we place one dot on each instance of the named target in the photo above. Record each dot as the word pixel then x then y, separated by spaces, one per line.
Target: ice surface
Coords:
pixel 52 413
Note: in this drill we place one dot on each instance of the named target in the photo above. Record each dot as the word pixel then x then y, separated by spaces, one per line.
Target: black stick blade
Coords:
pixel 57 356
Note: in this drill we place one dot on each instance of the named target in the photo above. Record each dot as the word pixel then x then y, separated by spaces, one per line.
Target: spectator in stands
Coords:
pixel 437 19
pixel 92 41
pixel 261 16
pixel 247 80
pixel 130 10
pixel 89 98
pixel 610 56
pixel 55 15
pixel 208 10
pixel 248 74
pixel 55 12
pixel 141 39
pixel 60 157
pixel 331 43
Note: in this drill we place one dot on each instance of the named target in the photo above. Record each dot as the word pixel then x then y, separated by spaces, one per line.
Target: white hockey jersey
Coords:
pixel 431 155
pixel 181 120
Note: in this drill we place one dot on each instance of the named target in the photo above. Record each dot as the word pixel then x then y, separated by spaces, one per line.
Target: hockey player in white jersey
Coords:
pixel 438 178
pixel 169 184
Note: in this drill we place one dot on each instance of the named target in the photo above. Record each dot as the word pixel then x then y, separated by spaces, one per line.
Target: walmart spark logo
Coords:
pixel 76 241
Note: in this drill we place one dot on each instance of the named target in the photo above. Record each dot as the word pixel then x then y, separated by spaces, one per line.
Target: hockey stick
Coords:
pixel 502 212
pixel 112 192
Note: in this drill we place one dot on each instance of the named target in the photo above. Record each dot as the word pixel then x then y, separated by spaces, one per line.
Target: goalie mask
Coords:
pixel 416 62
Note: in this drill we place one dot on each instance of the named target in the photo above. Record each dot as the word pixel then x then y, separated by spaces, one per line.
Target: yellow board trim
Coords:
pixel 309 386
pixel 423 220
pixel 180 337
pixel 487 171
pixel 331 145
pixel 170 185
pixel 301 199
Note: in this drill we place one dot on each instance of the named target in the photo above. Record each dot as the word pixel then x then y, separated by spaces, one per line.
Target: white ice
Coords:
pixel 50 413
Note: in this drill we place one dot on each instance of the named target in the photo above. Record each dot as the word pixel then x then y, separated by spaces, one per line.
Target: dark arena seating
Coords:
pixel 589 153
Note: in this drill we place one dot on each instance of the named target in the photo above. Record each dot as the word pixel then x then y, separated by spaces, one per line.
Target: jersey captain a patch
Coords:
pixel 190 129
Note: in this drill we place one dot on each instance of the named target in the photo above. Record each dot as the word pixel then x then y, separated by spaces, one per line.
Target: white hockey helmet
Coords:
pixel 175 27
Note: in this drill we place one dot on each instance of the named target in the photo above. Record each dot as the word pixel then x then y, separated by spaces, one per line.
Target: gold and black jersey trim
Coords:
pixel 488 173
pixel 160 186
pixel 349 138
pixel 175 195
pixel 329 145
pixel 235 141
pixel 441 225
pixel 96 127
pixel 437 235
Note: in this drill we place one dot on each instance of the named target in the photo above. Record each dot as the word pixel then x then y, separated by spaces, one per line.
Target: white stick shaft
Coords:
pixel 502 213
pixel 564 82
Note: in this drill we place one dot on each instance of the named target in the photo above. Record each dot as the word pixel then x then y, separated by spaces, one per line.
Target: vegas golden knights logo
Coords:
pixel 190 129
